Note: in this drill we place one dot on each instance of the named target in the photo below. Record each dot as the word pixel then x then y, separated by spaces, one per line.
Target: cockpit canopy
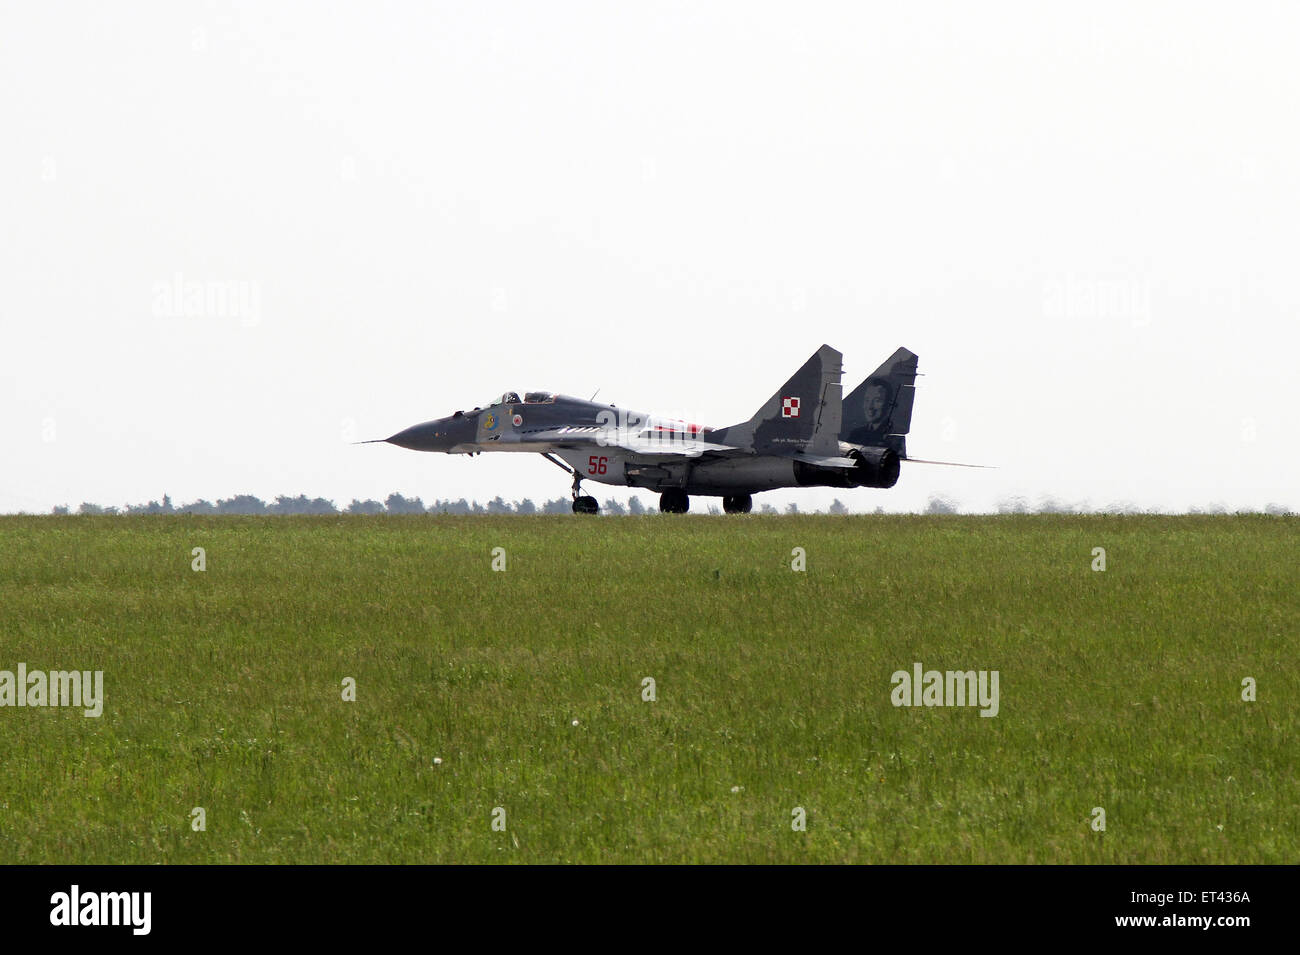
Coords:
pixel 530 398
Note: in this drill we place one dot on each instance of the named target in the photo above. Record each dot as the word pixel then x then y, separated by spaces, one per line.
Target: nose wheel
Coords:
pixel 582 503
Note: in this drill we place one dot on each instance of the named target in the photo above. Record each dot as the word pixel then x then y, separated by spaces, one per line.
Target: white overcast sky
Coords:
pixel 1085 219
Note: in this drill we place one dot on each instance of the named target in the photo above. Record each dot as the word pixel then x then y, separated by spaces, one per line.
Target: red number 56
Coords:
pixel 596 465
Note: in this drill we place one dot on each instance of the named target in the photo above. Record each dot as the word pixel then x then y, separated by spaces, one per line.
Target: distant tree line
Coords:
pixel 398 504
pixel 1051 505
pixel 393 504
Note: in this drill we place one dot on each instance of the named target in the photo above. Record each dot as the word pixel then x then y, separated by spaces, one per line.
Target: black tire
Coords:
pixel 737 504
pixel 674 501
pixel 585 505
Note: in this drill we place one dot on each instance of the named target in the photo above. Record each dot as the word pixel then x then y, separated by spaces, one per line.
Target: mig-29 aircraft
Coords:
pixel 805 435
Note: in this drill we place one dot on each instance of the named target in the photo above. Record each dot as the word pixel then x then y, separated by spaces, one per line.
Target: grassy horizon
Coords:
pixel 1119 689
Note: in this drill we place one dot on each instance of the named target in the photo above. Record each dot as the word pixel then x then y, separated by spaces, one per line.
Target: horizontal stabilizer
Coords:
pixel 824 461
pixel 951 464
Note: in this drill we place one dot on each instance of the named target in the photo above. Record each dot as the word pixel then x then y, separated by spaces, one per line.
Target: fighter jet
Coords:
pixel 805 435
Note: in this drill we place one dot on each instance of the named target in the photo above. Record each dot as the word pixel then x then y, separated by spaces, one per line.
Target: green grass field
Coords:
pixel 223 689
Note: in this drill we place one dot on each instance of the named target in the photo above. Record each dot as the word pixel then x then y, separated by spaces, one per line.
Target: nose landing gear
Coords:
pixel 582 503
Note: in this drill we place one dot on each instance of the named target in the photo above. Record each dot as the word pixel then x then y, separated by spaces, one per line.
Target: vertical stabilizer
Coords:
pixel 803 415
pixel 879 411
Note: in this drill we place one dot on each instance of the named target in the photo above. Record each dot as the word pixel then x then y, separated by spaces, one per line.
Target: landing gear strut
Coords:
pixel 674 501
pixel 737 504
pixel 582 503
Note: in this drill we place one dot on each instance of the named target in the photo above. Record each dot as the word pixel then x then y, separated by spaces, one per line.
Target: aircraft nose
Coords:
pixel 427 436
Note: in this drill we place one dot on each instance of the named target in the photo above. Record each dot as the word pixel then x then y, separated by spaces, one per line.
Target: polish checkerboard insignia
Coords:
pixel 789 407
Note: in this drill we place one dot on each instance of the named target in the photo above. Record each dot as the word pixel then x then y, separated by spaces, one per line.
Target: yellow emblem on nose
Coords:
pixel 490 422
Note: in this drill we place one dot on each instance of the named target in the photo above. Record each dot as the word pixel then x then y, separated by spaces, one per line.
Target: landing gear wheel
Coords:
pixel 674 501
pixel 737 504
pixel 582 503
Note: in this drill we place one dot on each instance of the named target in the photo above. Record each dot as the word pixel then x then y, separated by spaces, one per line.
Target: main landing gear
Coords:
pixel 737 504
pixel 674 501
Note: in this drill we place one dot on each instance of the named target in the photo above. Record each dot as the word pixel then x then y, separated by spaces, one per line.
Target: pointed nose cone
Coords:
pixel 440 435
pixel 420 437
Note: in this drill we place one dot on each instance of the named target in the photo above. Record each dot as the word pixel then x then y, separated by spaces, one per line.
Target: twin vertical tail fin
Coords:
pixel 810 415
pixel 879 411
pixel 804 416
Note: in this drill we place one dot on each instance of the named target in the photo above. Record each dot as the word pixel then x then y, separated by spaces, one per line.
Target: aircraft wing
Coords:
pixel 646 443
pixel 686 447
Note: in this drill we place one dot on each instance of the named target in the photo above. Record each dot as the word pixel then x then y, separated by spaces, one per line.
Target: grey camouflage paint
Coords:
pixel 796 438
